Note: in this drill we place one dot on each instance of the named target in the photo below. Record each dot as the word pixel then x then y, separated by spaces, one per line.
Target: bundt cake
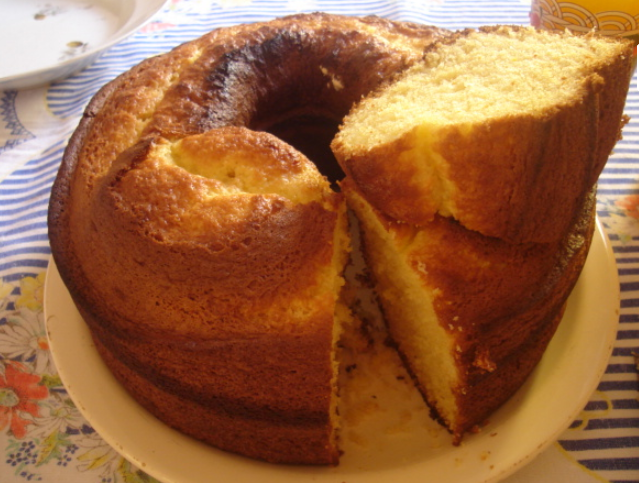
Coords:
pixel 206 253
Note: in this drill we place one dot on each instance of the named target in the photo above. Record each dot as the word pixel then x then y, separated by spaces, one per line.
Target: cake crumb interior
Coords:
pixel 453 84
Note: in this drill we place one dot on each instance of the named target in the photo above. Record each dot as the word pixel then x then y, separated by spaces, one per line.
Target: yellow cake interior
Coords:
pixel 410 308
pixel 452 86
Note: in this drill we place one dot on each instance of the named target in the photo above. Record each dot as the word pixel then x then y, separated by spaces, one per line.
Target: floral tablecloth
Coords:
pixel 43 436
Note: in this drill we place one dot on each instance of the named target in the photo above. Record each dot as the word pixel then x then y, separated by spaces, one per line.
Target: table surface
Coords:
pixel 43 437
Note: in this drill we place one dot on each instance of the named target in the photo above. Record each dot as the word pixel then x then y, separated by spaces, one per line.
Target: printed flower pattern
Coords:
pixel 20 392
pixel 39 423
pixel 621 216
pixel 11 127
pixel 31 292
pixel 23 338
pixel 630 205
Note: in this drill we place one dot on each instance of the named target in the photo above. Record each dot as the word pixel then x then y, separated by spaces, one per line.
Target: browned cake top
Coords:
pixel 192 222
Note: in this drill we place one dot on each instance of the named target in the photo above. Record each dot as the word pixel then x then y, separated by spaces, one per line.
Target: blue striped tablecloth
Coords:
pixel 48 440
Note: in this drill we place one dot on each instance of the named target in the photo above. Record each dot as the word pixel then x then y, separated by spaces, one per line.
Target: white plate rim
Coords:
pixel 588 333
pixel 143 12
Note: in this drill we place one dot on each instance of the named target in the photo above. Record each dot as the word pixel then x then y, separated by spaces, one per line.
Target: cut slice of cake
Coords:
pixel 470 315
pixel 504 129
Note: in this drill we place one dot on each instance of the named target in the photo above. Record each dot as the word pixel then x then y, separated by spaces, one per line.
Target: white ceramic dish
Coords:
pixel 534 418
pixel 48 41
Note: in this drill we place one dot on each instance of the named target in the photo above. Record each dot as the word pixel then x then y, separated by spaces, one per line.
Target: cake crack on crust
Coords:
pixel 200 222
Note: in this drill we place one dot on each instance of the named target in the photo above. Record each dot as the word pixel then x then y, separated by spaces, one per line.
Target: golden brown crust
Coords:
pixel 260 437
pixel 181 272
pixel 237 83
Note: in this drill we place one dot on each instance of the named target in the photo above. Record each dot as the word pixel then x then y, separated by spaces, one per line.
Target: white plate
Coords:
pixel 543 408
pixel 47 41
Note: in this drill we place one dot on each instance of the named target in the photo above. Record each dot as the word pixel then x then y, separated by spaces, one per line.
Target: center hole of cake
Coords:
pixel 311 135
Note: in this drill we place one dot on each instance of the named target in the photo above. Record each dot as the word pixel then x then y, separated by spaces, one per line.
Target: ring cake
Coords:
pixel 206 253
